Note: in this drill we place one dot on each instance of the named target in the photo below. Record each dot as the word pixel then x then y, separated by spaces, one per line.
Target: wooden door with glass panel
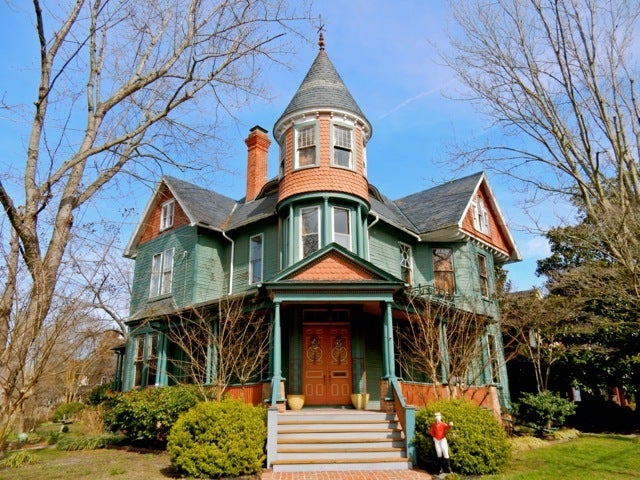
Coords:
pixel 326 363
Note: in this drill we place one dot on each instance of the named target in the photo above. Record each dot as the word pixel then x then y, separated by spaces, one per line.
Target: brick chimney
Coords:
pixel 257 148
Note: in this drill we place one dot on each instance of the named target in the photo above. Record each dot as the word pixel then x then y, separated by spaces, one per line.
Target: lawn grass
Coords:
pixel 589 457
pixel 99 464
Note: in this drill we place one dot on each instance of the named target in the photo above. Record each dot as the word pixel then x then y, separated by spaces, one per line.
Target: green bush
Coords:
pixel 100 394
pixel 219 439
pixel 66 411
pixel 478 444
pixel 543 411
pixel 148 414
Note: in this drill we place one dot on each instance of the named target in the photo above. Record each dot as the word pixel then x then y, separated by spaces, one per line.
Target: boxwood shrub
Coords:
pixel 478 444
pixel 66 411
pixel 219 439
pixel 543 411
pixel 148 414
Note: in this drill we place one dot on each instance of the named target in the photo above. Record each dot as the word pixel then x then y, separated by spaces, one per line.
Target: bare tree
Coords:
pixel 441 343
pixel 558 77
pixel 123 87
pixel 220 346
pixel 534 328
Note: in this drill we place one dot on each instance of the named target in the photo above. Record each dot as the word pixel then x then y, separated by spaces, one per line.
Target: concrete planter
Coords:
pixel 295 401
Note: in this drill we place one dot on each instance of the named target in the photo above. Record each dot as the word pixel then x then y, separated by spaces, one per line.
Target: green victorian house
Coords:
pixel 332 262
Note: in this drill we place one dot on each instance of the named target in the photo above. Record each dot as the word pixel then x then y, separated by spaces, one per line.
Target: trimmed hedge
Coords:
pixel 219 439
pixel 149 414
pixel 478 444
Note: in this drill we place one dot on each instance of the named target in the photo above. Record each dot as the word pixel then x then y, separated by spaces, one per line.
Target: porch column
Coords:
pixel 388 352
pixel 277 356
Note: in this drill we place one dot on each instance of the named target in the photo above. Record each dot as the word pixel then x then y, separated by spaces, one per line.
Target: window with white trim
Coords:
pixel 161 273
pixel 306 146
pixel 342 146
pixel 283 157
pixel 443 272
pixel 145 360
pixel 166 214
pixel 255 259
pixel 364 159
pixel 309 230
pixel 494 362
pixel 342 227
pixel 406 263
pixel 481 216
pixel 484 277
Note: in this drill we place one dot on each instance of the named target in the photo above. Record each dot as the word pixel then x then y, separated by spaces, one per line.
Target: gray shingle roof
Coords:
pixel 206 207
pixel 322 88
pixel 432 209
pixel 203 206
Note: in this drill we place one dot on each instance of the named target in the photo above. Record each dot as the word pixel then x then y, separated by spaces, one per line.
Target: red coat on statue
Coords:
pixel 439 430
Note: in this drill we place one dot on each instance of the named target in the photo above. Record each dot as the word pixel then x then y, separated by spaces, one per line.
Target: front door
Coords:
pixel 326 363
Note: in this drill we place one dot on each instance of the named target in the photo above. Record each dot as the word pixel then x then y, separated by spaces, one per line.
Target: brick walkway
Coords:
pixel 350 475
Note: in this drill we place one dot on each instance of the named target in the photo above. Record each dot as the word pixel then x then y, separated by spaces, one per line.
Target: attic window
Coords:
pixel 481 216
pixel 166 215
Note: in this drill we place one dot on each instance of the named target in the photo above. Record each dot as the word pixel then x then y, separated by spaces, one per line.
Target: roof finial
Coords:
pixel 321 36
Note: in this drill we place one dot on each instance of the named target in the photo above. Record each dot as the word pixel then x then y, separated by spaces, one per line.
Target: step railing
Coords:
pixel 407 417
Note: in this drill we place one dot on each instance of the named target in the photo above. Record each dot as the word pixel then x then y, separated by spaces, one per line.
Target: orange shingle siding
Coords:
pixel 151 229
pixel 325 177
pixel 497 238
pixel 332 268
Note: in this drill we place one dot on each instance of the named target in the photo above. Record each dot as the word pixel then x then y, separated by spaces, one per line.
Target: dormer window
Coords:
pixel 481 216
pixel 306 147
pixel 166 215
pixel 342 147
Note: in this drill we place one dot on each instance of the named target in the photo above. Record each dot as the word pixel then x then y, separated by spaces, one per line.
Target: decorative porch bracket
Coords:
pixel 407 416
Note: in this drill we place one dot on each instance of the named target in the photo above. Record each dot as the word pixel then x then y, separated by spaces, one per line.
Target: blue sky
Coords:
pixel 386 54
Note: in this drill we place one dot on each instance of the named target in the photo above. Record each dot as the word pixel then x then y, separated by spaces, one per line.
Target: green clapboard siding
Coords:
pixel 210 275
pixel 182 240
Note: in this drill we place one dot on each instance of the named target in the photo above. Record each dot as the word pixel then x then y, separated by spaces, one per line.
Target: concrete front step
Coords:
pixel 339 440
pixel 352 464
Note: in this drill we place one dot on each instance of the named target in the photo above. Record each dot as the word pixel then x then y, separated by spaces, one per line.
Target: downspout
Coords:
pixel 233 248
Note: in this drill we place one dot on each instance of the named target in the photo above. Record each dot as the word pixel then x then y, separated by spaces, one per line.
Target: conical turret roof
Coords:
pixel 322 87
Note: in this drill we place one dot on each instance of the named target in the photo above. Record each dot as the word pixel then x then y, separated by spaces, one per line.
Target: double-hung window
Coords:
pixel 145 360
pixel 161 273
pixel 166 214
pixel 342 146
pixel 484 277
pixel 341 227
pixel 406 263
pixel 481 216
pixel 494 362
pixel 306 146
pixel 255 259
pixel 443 273
pixel 309 230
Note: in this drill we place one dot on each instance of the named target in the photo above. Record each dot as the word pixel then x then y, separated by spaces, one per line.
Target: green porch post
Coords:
pixel 388 352
pixel 277 356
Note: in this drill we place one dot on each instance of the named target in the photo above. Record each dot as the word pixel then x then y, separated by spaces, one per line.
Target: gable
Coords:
pixel 497 235
pixel 333 267
pixel 150 226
